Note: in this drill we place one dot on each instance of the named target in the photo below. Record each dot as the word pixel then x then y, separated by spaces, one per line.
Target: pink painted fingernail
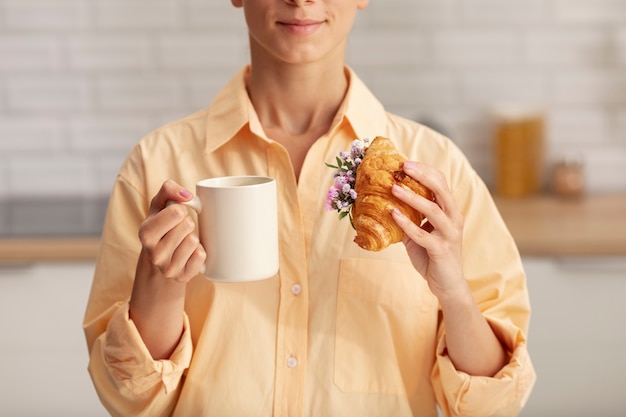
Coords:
pixel 410 165
pixel 185 193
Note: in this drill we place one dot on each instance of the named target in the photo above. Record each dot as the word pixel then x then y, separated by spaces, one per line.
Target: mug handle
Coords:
pixel 194 203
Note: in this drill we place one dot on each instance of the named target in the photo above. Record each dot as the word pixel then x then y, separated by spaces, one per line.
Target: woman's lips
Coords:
pixel 301 27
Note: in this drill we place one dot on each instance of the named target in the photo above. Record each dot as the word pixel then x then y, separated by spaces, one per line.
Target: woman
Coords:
pixel 436 321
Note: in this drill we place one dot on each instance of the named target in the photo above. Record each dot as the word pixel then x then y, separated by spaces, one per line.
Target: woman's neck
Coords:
pixel 297 99
pixel 297 104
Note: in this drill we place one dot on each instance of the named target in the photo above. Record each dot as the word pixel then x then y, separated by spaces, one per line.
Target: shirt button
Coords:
pixel 292 362
pixel 296 289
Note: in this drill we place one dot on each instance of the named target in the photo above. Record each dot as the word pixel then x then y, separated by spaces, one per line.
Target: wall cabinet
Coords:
pixel 43 354
pixel 577 336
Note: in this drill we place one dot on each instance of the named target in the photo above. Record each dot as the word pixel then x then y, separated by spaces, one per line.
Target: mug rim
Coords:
pixel 235 181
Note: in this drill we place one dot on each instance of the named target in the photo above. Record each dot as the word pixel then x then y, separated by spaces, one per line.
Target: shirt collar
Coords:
pixel 232 110
pixel 229 111
pixel 362 109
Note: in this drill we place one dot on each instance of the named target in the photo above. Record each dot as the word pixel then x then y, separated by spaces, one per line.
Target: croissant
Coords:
pixel 380 169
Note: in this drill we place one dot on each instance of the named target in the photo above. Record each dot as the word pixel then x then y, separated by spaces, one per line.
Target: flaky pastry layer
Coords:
pixel 380 169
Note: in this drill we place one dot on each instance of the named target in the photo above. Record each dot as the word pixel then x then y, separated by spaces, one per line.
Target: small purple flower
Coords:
pixel 331 197
pixel 341 195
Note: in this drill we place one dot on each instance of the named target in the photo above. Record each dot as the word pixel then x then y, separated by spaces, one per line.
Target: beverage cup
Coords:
pixel 238 225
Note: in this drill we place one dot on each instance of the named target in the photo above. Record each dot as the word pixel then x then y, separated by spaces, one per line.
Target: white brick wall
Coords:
pixel 132 15
pixel 82 81
pixel 590 11
pixel 110 52
pixel 36 93
pixel 56 175
pixel 30 52
pixel 45 15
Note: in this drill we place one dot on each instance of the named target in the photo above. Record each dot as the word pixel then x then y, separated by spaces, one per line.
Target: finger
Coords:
pixel 429 209
pixel 195 264
pixel 170 190
pixel 161 255
pixel 431 178
pixel 177 265
pixel 156 226
pixel 411 230
pixel 436 181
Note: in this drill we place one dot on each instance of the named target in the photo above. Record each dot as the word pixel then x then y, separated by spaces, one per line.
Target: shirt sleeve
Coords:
pixel 128 381
pixel 496 277
pixel 504 394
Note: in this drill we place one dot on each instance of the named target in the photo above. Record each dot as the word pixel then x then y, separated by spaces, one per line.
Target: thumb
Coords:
pixel 170 191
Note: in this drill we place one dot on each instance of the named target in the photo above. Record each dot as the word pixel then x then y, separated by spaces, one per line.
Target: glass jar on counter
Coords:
pixel 519 150
pixel 568 178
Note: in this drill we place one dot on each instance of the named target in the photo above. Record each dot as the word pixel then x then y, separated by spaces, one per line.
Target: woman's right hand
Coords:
pixel 171 255
pixel 170 245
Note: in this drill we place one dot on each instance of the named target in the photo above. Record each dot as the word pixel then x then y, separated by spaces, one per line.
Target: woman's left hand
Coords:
pixel 435 247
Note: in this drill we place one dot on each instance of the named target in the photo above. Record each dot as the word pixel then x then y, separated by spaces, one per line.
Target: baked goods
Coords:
pixel 380 168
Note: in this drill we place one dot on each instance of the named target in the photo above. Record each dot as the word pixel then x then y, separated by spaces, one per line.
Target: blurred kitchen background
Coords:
pixel 81 81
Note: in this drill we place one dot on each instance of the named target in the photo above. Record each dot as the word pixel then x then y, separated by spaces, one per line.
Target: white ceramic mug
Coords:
pixel 238 224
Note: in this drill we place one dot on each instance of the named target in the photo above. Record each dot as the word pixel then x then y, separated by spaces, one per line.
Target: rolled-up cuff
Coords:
pixel 130 363
pixel 504 394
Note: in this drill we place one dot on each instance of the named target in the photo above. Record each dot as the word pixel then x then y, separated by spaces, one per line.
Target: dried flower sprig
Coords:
pixel 341 194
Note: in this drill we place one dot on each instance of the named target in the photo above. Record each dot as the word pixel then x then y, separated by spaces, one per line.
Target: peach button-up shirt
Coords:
pixel 339 331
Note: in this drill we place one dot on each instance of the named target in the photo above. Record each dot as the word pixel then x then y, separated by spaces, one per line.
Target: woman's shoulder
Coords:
pixel 181 132
pixel 424 143
pixel 414 137
pixel 166 151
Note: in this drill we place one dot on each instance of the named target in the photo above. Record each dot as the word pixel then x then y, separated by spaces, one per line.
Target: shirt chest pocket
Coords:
pixel 386 328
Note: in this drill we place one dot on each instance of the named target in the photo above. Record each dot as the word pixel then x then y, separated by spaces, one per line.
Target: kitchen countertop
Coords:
pixel 28 250
pixel 592 226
